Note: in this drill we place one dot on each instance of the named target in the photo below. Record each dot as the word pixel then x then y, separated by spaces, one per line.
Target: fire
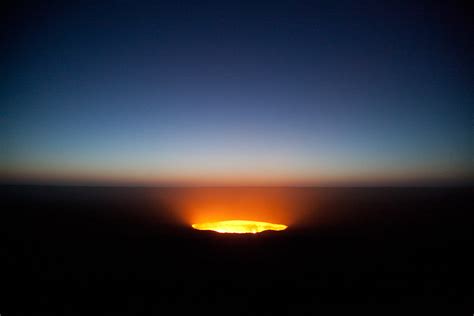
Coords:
pixel 239 226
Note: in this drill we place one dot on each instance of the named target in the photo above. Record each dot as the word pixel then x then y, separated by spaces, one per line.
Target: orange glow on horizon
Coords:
pixel 239 226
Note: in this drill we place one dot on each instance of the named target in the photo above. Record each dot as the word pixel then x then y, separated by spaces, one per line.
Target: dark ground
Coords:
pixel 79 251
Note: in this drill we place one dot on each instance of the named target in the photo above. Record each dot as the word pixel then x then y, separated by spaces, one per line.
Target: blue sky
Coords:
pixel 212 92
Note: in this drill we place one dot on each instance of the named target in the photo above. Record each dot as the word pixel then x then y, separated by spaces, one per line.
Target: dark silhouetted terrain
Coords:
pixel 79 250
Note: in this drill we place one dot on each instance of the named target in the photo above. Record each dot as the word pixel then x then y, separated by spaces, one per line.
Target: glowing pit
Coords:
pixel 239 227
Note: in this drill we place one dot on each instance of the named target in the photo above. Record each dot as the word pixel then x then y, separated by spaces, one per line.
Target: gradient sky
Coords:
pixel 128 92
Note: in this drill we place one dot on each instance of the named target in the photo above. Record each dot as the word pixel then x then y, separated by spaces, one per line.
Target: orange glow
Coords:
pixel 239 226
pixel 207 205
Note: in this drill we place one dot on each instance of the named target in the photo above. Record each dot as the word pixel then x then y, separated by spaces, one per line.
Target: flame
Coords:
pixel 239 226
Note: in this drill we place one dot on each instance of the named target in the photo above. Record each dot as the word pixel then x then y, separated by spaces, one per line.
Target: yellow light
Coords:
pixel 239 227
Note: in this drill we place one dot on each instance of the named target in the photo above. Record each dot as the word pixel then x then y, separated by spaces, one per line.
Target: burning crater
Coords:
pixel 239 226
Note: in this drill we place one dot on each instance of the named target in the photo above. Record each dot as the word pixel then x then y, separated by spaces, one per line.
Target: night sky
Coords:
pixel 233 92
